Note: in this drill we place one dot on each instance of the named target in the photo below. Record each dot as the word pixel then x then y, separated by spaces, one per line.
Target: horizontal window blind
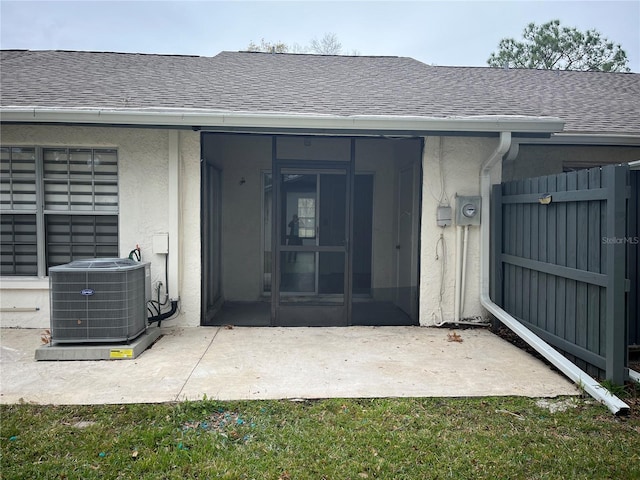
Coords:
pixel 18 179
pixel 80 180
pixel 18 245
pixel 75 237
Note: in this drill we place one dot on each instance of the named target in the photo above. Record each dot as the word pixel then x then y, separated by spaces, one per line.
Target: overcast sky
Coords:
pixel 440 33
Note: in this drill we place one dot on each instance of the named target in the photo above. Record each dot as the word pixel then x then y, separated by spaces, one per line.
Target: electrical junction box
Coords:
pixel 161 243
pixel 468 211
pixel 443 216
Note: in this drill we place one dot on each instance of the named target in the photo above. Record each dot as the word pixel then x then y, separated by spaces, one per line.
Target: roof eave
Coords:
pixel 198 118
pixel 591 138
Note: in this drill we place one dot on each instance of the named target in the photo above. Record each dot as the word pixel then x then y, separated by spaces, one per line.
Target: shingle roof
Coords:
pixel 589 102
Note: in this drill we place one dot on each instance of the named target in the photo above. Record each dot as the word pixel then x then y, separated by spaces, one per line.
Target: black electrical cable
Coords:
pixel 166 280
pixel 164 316
pixel 157 305
pixel 135 254
pixel 152 303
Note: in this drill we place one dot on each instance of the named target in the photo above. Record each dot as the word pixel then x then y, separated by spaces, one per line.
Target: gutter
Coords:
pixel 204 118
pixel 584 381
pixel 599 139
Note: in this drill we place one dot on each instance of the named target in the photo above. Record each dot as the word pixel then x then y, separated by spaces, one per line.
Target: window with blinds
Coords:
pixel 19 207
pixel 58 205
pixel 18 244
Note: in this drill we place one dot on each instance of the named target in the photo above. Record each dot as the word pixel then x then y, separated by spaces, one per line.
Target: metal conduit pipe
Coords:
pixel 584 381
pixel 465 249
pixel 458 269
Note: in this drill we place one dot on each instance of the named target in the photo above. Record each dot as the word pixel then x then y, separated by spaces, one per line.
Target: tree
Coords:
pixel 264 46
pixel 550 46
pixel 327 45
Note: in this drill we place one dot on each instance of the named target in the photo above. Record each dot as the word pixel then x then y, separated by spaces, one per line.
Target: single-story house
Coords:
pixel 282 189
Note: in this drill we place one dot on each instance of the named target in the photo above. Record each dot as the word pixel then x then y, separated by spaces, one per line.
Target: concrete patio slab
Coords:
pixel 274 363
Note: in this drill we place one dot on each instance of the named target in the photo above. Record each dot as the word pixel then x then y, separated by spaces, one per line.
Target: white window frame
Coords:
pixel 307 217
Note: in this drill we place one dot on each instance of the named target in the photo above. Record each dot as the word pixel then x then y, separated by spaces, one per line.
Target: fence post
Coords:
pixel 616 347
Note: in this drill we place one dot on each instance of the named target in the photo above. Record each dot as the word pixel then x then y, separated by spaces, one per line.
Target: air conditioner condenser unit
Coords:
pixel 99 300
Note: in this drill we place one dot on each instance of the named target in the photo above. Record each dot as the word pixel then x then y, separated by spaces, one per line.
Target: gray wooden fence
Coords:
pixel 559 248
pixel 633 260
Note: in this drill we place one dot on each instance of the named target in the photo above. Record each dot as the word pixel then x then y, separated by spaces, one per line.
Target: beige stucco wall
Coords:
pixel 143 162
pixel 537 160
pixel 458 159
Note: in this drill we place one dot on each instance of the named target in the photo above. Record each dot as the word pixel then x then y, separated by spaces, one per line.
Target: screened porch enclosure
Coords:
pixel 309 230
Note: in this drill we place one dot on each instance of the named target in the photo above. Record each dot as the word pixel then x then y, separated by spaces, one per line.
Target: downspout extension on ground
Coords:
pixel 584 381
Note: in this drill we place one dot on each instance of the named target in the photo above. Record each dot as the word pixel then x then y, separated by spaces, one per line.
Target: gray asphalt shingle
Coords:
pixel 337 85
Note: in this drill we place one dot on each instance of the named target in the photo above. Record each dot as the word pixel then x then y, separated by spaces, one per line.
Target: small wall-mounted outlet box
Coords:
pixel 161 243
pixel 443 216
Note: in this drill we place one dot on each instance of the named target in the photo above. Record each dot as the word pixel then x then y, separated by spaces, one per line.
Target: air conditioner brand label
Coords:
pixel 121 353
pixel 87 292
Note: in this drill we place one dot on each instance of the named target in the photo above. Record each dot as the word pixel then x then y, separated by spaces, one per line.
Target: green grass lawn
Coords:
pixel 332 439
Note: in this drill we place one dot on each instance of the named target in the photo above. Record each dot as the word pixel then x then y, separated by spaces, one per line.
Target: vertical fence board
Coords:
pixel 535 255
pixel 512 250
pixel 565 249
pixel 582 254
pixel 551 258
pixel 593 291
pixel 496 280
pixel 542 256
pixel 526 253
pixel 602 348
pixel 505 246
pixel 519 244
pixel 567 233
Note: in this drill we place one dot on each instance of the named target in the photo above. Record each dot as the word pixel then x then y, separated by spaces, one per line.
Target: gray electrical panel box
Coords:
pixel 467 211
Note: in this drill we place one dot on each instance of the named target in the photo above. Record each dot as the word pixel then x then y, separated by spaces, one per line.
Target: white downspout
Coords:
pixel 174 214
pixel 583 380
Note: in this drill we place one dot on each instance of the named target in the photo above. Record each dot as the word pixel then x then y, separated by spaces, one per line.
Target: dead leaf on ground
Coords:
pixel 228 327
pixel 454 337
pixel 45 337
